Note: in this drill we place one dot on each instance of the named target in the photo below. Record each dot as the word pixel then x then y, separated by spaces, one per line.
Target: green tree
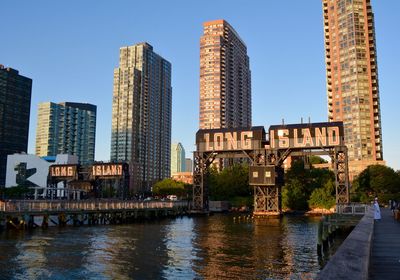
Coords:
pixel 376 180
pixel 317 160
pixel 300 183
pixel 319 177
pixel 293 196
pixel 323 197
pixel 231 184
pixel 169 186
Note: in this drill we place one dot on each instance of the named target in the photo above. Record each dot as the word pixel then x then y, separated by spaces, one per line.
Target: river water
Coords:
pixel 215 247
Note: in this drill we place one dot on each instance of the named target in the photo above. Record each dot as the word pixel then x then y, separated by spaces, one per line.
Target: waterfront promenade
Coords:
pixel 371 251
pixel 385 251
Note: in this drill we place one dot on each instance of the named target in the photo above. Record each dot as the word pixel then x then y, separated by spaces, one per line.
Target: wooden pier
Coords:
pixel 23 214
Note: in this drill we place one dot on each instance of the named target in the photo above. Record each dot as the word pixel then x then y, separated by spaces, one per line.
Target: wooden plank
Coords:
pixel 385 253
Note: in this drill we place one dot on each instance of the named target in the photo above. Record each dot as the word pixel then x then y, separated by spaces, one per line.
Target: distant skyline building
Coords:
pixel 225 78
pixel 15 106
pixel 66 128
pixel 188 165
pixel 177 158
pixel 352 79
pixel 141 115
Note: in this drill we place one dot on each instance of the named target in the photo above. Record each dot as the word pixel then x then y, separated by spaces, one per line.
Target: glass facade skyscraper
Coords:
pixel 15 106
pixel 66 128
pixel 352 79
pixel 177 158
pixel 141 115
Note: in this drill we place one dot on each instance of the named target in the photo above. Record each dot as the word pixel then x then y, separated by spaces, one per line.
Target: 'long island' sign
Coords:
pixel 108 169
pixel 63 171
pixel 234 139
pixel 311 135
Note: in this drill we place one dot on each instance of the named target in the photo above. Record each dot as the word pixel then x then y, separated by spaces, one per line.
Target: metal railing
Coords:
pixel 87 205
pixel 352 209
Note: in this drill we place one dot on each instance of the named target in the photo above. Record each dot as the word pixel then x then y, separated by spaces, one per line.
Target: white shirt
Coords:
pixel 377 211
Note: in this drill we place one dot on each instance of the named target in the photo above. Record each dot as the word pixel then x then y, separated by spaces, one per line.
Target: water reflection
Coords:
pixel 179 237
pixel 260 249
pixel 213 247
pixel 31 259
pixel 299 244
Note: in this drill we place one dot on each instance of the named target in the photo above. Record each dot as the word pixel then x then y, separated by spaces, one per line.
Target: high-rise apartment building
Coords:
pixel 66 128
pixel 352 79
pixel 225 78
pixel 141 115
pixel 188 165
pixel 15 106
pixel 177 158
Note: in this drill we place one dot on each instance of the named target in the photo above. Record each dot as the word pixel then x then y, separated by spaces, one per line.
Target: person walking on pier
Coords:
pixel 377 210
pixel 393 205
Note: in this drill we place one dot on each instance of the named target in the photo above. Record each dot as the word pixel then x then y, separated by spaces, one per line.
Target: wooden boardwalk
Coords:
pixel 385 252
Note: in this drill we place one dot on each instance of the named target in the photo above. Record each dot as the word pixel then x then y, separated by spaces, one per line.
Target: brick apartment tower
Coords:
pixel 225 78
pixel 352 79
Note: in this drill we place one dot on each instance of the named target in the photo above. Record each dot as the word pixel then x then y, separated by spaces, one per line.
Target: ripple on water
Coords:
pixel 214 247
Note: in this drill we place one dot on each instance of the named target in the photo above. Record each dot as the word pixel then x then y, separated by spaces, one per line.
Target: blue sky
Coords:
pixel 70 48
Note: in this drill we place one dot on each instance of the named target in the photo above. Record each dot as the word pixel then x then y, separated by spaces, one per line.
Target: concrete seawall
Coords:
pixel 351 260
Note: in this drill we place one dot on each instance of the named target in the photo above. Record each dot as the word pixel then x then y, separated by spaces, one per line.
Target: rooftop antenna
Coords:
pixel 301 120
pixel 283 121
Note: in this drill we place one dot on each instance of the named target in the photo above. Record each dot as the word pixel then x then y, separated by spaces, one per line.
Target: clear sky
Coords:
pixel 70 48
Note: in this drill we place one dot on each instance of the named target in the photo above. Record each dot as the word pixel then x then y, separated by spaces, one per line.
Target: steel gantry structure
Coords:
pixel 266 158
